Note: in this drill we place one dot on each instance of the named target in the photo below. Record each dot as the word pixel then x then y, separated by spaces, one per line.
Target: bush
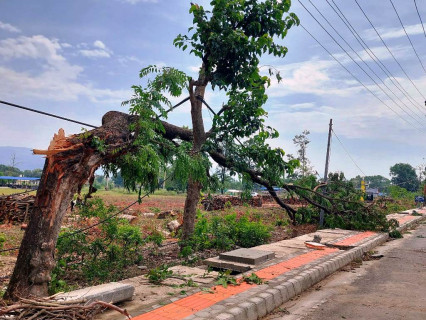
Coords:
pixel 98 256
pixel 224 232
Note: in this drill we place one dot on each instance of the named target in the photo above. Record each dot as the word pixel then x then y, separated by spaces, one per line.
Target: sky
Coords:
pixel 79 59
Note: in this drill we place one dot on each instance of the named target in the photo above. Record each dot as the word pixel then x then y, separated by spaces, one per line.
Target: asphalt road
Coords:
pixel 390 288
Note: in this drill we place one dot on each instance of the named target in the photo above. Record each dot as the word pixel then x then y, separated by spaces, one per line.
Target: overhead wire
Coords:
pixel 344 50
pixel 356 78
pixel 384 43
pixel 408 37
pixel 347 152
pixel 46 113
pixel 373 56
pixel 359 57
pixel 421 21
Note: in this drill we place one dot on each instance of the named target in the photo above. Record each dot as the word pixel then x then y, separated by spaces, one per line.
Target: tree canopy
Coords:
pixel 404 176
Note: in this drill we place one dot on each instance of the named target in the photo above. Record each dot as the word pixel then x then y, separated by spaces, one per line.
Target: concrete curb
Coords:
pixel 265 298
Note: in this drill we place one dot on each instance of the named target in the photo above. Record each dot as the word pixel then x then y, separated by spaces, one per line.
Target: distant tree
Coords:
pixel 9 171
pixel 374 182
pixel 36 173
pixel 305 169
pixel 404 176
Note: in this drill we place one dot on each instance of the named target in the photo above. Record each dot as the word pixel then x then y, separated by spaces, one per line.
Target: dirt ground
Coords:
pixel 168 252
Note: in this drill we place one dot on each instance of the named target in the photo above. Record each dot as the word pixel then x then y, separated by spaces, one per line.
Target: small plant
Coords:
pixel 253 279
pixel 224 278
pixel 2 240
pixel 228 205
pixel 395 234
pixel 159 274
pixel 155 210
pixel 416 214
pixel 281 223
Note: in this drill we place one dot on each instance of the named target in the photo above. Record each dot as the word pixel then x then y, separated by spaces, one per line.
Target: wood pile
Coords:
pixel 48 309
pixel 16 208
pixel 219 202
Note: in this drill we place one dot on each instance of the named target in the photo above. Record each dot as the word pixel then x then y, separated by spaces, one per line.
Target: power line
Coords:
pixel 347 152
pixel 373 56
pixel 418 13
pixel 46 114
pixel 378 34
pixel 408 37
pixel 75 121
pixel 421 124
pixel 347 70
pixel 354 51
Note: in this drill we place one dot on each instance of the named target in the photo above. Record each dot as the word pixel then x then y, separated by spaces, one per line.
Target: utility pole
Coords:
pixel 327 160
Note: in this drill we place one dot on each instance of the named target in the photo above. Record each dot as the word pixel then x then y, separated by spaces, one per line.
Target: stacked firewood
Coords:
pixel 221 201
pixel 16 208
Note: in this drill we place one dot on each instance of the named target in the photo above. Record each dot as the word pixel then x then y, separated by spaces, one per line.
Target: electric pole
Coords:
pixel 327 160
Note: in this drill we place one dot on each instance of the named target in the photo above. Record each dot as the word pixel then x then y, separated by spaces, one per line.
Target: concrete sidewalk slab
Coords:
pixel 112 292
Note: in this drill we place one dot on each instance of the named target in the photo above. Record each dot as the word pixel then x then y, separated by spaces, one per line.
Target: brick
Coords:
pixel 224 316
pixel 284 293
pixel 290 289
pixel 269 300
pixel 278 300
pixel 260 306
pixel 251 310
pixel 238 313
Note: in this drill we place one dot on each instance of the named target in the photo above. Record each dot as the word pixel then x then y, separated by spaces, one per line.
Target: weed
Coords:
pixel 224 278
pixel 395 234
pixel 159 274
pixel 253 279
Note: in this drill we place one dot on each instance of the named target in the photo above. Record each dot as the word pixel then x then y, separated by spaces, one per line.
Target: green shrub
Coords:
pixel 224 232
pixel 101 255
pixel 395 234
pixel 2 240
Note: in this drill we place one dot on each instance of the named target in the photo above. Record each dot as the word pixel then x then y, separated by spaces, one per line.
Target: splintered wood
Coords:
pixel 58 144
pixel 16 208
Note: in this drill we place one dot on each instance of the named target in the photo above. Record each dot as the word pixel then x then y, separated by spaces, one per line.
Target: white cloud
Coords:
pixel 99 44
pixel 100 50
pixel 58 79
pixel 9 27
pixel 393 33
pixel 315 77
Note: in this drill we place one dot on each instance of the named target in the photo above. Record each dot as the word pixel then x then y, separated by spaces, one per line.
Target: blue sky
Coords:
pixel 80 58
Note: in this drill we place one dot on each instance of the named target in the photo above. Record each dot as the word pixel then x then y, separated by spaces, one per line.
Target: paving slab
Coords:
pixel 218 263
pixel 112 292
pixel 247 256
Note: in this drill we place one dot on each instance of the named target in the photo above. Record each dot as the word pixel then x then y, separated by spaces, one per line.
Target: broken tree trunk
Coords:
pixel 70 162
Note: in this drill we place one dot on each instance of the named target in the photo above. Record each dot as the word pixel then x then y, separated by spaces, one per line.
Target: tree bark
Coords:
pixel 70 162
pixel 199 137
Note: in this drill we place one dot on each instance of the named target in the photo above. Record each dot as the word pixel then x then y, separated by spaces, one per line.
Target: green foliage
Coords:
pixel 395 234
pixel 159 274
pixel 345 209
pixel 101 256
pixel 2 240
pixel 404 176
pixel 224 279
pixel 224 232
pixel 253 279
pixel 374 182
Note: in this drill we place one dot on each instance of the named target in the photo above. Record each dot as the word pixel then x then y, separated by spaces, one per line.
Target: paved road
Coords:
pixel 391 288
